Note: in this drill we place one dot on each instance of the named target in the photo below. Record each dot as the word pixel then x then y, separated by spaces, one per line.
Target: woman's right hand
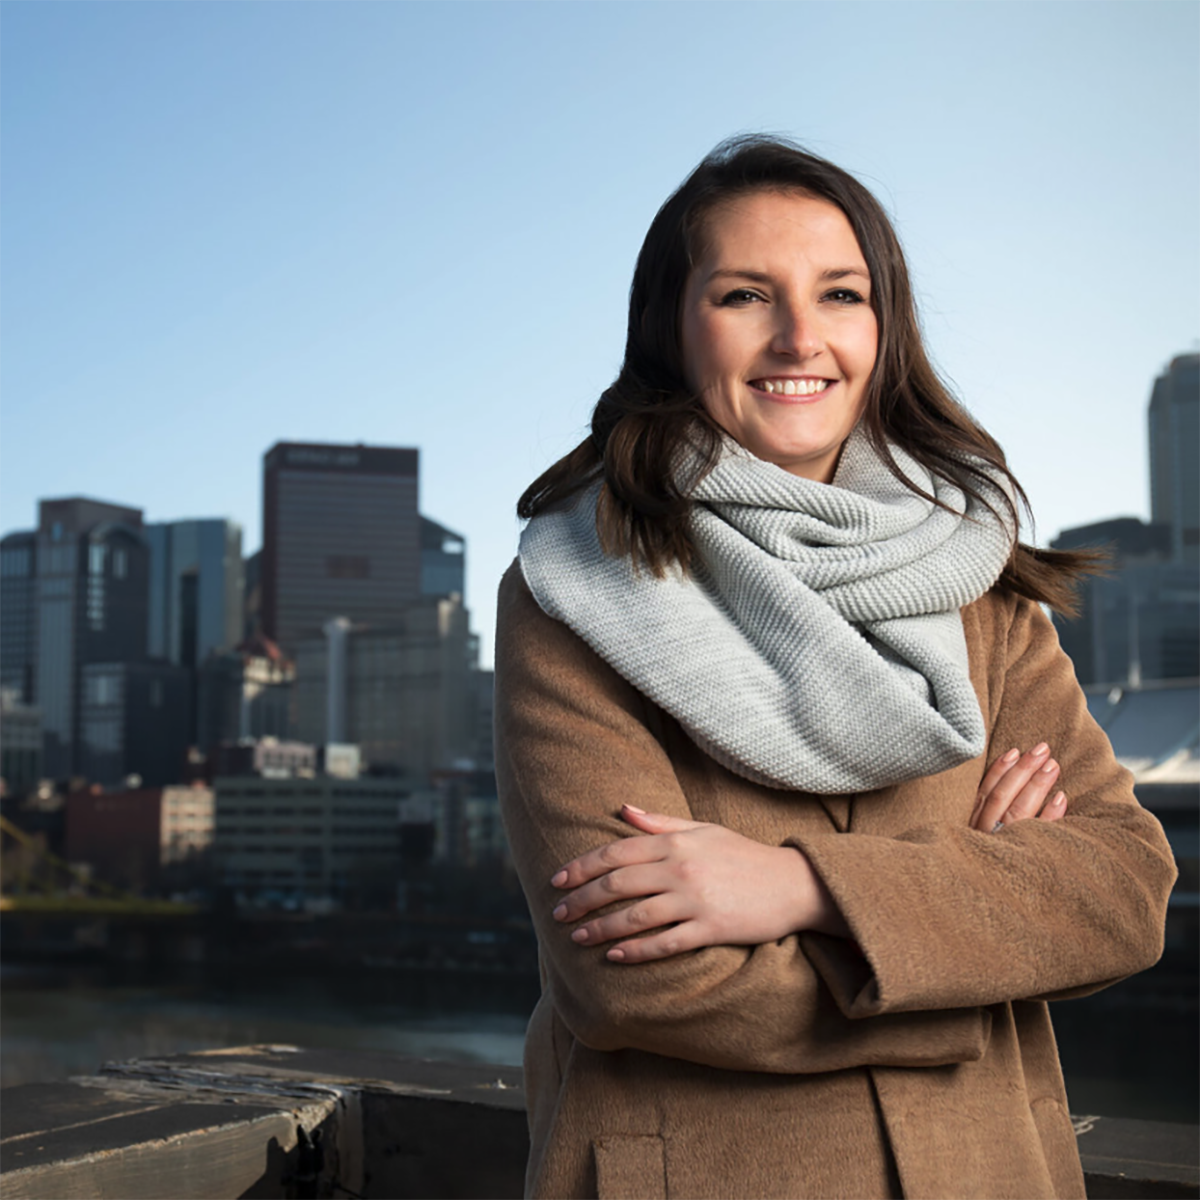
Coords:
pixel 1016 787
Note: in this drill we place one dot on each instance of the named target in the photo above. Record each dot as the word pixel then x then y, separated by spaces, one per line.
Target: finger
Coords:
pixel 1055 809
pixel 1028 802
pixel 678 939
pixel 997 771
pixel 1014 779
pixel 623 884
pixel 656 822
pixel 622 853
pixel 650 913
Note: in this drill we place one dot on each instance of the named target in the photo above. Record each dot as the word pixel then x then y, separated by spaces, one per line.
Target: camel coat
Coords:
pixel 916 1061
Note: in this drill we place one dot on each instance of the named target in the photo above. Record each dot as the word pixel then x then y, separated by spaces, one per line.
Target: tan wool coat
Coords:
pixel 917 1061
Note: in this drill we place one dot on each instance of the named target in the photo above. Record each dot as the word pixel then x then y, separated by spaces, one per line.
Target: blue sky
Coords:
pixel 224 225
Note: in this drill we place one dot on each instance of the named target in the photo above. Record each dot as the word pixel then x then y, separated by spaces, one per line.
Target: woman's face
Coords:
pixel 777 331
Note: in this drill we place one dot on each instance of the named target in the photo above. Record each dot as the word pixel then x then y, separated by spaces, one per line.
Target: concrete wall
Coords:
pixel 276 1121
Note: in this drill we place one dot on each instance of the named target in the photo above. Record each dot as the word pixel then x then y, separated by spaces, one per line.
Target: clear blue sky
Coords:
pixel 414 224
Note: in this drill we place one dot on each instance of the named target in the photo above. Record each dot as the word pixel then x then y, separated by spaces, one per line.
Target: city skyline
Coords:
pixel 207 252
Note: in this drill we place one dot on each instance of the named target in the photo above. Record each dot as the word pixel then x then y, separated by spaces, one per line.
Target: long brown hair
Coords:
pixel 649 410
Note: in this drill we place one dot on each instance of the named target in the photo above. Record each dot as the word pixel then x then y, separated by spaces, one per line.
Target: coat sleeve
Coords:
pixel 572 744
pixel 1041 910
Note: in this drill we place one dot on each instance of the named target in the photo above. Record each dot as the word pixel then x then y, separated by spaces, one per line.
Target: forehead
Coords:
pixel 766 223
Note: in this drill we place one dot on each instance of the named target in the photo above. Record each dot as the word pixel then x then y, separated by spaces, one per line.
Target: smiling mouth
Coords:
pixel 791 387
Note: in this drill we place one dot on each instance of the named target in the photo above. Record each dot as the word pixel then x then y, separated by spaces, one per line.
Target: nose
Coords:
pixel 797 332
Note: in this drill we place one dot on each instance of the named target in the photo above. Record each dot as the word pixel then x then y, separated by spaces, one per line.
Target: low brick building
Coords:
pixel 145 839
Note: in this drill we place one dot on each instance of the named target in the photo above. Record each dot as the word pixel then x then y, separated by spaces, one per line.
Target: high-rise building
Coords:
pixel 1174 419
pixel 18 612
pixel 195 589
pixel 91 607
pixel 403 692
pixel 134 719
pixel 341 537
pixel 20 744
pixel 244 694
pixel 443 560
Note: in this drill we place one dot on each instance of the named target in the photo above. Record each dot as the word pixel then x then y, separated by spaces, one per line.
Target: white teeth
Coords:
pixel 793 387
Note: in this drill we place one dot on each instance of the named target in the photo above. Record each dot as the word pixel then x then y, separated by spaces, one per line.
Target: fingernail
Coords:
pixel 559 879
pixel 1040 749
pixel 1049 768
pixel 1059 800
pixel 1011 756
pixel 560 912
pixel 580 935
pixel 633 808
pixel 616 955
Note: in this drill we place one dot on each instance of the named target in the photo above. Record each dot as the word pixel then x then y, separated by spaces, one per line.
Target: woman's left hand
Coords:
pixel 696 885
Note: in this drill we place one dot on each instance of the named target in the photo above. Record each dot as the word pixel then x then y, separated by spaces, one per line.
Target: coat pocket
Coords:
pixel 630 1167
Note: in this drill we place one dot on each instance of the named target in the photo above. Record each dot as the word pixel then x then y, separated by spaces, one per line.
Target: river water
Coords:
pixel 61 1021
pixel 57 1021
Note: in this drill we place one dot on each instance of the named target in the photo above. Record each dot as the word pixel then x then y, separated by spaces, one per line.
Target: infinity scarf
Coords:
pixel 817 644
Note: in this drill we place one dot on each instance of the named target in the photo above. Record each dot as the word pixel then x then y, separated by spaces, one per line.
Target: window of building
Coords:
pixel 347 566
pixel 96 557
pixel 120 564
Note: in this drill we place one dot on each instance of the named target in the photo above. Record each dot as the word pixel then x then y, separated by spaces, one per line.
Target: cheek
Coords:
pixel 699 348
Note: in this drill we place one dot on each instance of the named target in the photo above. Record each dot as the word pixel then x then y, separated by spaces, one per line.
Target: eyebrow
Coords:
pixel 760 277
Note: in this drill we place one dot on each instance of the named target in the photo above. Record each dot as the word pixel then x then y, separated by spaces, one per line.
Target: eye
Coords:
pixel 739 297
pixel 846 296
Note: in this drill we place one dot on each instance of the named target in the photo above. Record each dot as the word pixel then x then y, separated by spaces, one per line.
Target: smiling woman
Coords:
pixel 777 330
pixel 780 732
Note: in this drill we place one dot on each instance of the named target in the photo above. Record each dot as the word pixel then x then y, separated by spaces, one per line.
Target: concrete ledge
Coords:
pixel 277 1121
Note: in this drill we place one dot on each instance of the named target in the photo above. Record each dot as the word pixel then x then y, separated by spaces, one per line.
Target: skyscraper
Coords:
pixel 1174 419
pixel 195 589
pixel 18 612
pixel 341 537
pixel 443 560
pixel 91 601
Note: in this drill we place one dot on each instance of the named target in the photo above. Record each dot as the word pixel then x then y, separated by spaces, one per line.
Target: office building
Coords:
pixel 313 838
pixel 1141 621
pixel 341 537
pixel 18 612
pixel 20 744
pixel 402 692
pixel 145 839
pixel 252 596
pixel 92 566
pixel 1174 421
pixel 134 719
pixel 195 589
pixel 443 561
pixel 243 694
pixel 267 756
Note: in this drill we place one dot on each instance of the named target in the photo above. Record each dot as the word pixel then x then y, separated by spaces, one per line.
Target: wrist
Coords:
pixel 816 908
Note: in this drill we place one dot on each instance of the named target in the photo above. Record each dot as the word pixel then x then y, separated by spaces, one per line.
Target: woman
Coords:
pixel 769 626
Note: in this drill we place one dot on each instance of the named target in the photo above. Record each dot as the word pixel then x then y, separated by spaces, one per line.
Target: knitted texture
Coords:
pixel 817 644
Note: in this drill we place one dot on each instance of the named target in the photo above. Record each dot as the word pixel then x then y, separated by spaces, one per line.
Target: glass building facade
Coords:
pixel 90 602
pixel 18 593
pixel 195 589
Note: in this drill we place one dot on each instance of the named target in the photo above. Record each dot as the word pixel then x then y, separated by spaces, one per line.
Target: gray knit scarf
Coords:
pixel 817 644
